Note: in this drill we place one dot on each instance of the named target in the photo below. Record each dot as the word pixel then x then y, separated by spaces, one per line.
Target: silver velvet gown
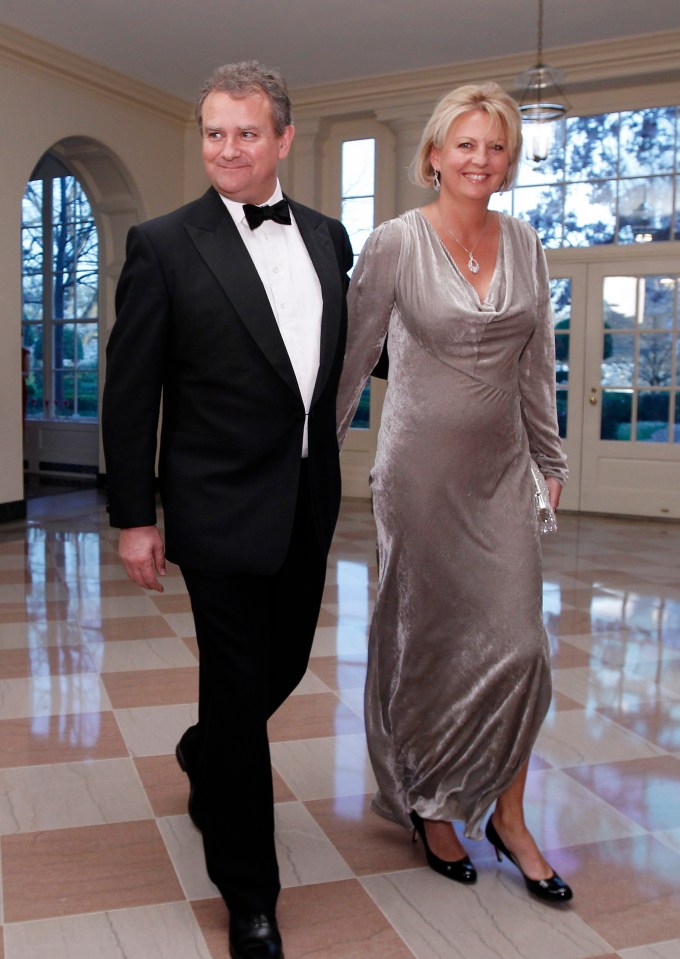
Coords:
pixel 458 671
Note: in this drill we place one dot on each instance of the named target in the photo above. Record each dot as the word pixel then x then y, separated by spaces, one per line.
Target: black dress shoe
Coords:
pixel 192 807
pixel 254 937
pixel 460 870
pixel 553 889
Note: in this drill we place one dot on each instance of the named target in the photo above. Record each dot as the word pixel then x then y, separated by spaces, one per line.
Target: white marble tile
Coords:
pixel 167 931
pixel 345 639
pixel 440 919
pixel 52 695
pixel 92 612
pixel 155 730
pixel 131 655
pixel 325 767
pixel 561 812
pixel 659 950
pixel 305 854
pixel 573 737
pixel 609 686
pixel 182 624
pixel 34 798
pixel 670 838
pixel 29 635
pixel 353 699
pixel 185 848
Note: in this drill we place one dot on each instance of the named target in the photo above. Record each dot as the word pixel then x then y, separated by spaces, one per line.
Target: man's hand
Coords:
pixel 143 555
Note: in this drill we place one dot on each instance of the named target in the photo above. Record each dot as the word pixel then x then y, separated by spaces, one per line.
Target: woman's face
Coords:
pixel 473 160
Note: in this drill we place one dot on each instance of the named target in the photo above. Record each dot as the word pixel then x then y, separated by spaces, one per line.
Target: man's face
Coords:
pixel 241 149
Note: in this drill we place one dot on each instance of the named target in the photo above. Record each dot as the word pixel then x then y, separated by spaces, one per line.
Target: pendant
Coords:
pixel 473 265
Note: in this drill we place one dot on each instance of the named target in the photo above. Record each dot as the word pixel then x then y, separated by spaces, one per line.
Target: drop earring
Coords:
pixel 436 181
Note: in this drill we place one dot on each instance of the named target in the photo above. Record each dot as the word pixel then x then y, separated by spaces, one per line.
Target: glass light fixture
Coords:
pixel 542 102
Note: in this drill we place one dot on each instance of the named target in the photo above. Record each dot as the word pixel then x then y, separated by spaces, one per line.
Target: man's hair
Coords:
pixel 243 80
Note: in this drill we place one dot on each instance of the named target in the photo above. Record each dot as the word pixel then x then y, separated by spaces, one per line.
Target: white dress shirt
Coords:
pixel 288 275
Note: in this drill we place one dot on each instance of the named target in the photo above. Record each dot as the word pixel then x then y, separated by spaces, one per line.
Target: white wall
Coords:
pixel 139 152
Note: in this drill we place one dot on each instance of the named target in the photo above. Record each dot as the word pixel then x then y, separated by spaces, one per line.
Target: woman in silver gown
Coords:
pixel 458 672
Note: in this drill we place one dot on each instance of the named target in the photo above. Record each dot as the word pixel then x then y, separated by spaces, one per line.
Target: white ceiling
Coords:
pixel 174 44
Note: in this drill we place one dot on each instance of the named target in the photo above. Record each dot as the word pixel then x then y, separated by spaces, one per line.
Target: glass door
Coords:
pixel 631 410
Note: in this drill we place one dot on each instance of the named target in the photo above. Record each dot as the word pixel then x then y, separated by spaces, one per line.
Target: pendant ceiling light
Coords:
pixel 542 101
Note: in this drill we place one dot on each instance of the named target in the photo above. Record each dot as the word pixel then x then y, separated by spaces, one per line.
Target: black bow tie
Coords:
pixel 256 215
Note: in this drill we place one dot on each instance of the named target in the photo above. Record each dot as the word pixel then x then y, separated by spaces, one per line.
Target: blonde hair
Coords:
pixel 491 99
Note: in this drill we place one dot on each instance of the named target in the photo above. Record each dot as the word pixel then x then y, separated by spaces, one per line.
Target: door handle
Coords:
pixel 592 399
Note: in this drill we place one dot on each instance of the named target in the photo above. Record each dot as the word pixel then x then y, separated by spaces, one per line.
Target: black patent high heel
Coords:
pixel 461 870
pixel 550 890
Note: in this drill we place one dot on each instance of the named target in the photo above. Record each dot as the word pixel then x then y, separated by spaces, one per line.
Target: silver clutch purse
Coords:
pixel 545 514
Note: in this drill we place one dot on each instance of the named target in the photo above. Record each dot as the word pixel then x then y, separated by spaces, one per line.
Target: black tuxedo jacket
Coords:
pixel 195 327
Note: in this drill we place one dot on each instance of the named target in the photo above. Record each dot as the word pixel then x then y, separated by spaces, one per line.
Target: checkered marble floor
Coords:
pixel 98 680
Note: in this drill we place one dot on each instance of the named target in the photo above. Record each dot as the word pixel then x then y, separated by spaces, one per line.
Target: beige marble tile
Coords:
pixel 88 869
pixel 166 931
pixel 166 786
pixel 337 921
pixel 625 889
pixel 52 739
pixel 310 683
pixel 437 918
pixel 368 843
pixel 321 768
pixel 125 627
pixel 346 672
pixel 46 797
pixel 46 661
pixel 647 791
pixel 155 730
pixel 38 635
pixel 313 716
pixel 152 687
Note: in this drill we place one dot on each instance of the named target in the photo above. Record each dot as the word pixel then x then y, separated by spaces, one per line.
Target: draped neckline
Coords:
pixel 482 304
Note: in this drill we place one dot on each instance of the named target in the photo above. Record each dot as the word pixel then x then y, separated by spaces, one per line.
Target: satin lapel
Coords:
pixel 216 238
pixel 320 248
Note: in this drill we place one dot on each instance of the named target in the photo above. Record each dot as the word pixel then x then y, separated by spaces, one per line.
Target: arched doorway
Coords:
pixel 78 206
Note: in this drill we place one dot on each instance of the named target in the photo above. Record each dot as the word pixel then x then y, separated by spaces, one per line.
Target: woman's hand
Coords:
pixel 555 491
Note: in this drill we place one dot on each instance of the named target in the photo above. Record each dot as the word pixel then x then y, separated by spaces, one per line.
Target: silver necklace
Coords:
pixel 472 264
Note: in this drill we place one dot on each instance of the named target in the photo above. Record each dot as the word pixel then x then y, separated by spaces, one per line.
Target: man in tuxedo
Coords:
pixel 232 309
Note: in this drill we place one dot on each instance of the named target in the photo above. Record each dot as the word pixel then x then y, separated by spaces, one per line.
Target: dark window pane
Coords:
pixel 592 147
pixel 32 292
pixel 645 210
pixel 562 403
pixel 87 394
pixel 362 417
pixel 34 394
pixel 618 359
pixel 590 213
pixel 87 346
pixel 32 339
pixel 86 295
pixel 63 346
pixel 647 141
pixel 542 207
pixel 656 357
pixel 659 302
pixel 64 393
pixel 617 408
pixel 676 428
pixel 652 417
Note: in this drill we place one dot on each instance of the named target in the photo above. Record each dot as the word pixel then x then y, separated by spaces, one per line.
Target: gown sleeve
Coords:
pixel 370 301
pixel 537 380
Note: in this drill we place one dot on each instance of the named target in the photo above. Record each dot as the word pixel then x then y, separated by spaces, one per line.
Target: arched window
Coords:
pixel 60 277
